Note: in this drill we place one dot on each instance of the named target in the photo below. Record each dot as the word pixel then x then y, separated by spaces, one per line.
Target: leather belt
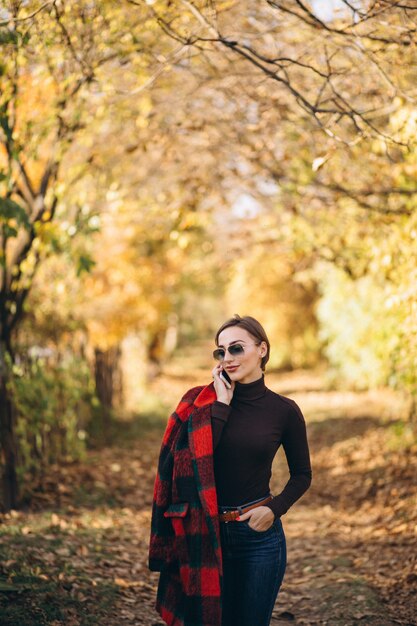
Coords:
pixel 230 516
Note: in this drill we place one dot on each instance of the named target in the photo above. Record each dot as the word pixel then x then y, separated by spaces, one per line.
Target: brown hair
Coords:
pixel 253 327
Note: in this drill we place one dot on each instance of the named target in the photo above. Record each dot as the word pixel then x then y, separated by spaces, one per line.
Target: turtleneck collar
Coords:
pixel 250 391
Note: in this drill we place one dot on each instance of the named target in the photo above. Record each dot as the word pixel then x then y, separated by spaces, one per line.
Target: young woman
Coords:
pixel 250 422
pixel 216 535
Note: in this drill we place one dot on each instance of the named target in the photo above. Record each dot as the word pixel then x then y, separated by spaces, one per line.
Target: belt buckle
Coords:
pixel 238 508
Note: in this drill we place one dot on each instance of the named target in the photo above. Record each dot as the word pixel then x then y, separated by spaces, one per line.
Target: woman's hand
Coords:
pixel 260 518
pixel 223 393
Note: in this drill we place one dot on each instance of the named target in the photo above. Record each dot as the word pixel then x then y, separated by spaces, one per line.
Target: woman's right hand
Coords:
pixel 224 394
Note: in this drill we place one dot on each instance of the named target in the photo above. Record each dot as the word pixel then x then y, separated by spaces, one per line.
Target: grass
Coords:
pixel 40 602
pixel 44 578
pixel 401 436
pixel 54 569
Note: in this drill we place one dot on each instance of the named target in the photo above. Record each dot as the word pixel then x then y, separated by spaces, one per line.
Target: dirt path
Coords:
pixel 79 555
pixel 352 538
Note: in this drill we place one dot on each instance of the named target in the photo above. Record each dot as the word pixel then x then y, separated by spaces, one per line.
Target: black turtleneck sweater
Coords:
pixel 246 436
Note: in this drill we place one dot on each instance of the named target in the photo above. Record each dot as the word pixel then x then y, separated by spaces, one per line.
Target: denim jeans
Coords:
pixel 253 568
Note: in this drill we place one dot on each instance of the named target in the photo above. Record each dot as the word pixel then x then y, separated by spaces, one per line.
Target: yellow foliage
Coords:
pixel 263 286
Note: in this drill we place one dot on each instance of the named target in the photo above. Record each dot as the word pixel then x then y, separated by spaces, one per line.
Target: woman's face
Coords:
pixel 245 367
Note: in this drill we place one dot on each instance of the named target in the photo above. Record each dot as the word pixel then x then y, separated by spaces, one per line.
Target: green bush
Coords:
pixel 53 405
pixel 359 330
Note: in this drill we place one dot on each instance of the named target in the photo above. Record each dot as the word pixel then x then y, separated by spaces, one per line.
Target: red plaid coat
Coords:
pixel 185 531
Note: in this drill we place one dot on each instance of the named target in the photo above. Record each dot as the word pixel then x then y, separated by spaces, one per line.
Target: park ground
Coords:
pixel 77 555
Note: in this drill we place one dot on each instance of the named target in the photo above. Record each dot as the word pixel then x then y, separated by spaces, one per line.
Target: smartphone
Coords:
pixel 226 379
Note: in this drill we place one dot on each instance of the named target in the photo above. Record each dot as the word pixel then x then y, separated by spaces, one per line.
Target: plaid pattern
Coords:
pixel 185 532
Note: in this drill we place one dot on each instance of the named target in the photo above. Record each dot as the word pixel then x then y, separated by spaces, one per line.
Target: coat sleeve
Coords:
pixel 161 545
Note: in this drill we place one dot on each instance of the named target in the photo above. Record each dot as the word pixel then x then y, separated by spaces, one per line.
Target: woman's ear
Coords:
pixel 264 349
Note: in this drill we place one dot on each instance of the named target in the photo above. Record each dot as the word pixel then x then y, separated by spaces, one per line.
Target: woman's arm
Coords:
pixel 296 450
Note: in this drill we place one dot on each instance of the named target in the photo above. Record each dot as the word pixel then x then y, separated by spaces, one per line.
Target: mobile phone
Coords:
pixel 226 379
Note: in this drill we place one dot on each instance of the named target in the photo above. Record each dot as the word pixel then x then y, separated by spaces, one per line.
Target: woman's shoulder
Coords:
pixel 285 402
pixel 191 394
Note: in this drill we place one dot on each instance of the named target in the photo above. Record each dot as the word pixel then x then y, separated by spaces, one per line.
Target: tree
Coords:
pixel 323 110
pixel 52 54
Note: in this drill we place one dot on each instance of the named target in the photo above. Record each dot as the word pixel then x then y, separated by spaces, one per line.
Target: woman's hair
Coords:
pixel 253 327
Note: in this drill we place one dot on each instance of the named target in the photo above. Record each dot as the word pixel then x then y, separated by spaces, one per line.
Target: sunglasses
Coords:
pixel 234 350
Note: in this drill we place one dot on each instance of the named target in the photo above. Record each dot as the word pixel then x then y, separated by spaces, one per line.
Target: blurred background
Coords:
pixel 164 165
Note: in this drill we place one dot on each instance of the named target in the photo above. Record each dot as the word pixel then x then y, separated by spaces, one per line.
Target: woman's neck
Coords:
pixel 252 390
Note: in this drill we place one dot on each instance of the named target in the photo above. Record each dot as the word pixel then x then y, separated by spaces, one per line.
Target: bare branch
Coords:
pixel 28 17
pixel 309 18
pixel 80 61
pixel 338 106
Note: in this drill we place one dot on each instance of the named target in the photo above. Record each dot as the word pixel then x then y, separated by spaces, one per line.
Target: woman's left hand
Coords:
pixel 260 518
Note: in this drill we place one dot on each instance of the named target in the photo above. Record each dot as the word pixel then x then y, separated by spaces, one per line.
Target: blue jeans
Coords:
pixel 253 568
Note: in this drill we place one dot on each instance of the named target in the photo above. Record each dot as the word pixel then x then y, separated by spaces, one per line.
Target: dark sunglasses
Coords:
pixel 234 350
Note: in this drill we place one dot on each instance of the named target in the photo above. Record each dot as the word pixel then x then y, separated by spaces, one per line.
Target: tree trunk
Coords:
pixel 155 354
pixel 107 377
pixel 7 438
